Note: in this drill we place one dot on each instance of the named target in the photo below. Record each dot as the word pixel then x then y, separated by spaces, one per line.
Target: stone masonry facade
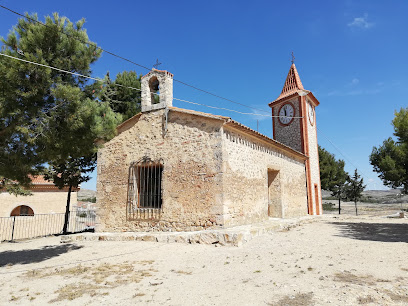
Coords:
pixel 214 171
pixel 213 175
pixel 289 134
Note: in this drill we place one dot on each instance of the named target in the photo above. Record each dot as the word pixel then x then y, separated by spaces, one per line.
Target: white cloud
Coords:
pixel 355 81
pixel 361 23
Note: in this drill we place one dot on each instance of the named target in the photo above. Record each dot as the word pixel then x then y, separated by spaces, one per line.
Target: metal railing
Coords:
pixel 145 189
pixel 31 226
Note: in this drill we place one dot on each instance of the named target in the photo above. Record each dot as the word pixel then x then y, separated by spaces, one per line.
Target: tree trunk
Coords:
pixel 355 203
pixel 64 230
pixel 339 206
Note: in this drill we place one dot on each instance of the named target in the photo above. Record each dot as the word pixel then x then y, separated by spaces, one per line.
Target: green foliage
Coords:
pixel 390 160
pixel 13 187
pixel 92 200
pixel 400 123
pixel 31 95
pixel 329 206
pixel 332 174
pixel 122 100
pixel 368 199
pixel 355 187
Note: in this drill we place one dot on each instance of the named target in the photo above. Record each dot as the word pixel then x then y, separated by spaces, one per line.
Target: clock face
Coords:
pixel 311 114
pixel 286 113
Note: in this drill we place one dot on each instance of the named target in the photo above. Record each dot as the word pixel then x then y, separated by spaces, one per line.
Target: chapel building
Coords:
pixel 173 169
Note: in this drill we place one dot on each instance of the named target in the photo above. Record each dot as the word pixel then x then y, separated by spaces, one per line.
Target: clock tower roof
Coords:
pixel 293 86
pixel 292 83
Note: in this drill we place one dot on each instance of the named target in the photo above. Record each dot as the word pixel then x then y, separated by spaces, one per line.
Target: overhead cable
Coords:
pixel 134 88
pixel 338 149
pixel 181 100
pixel 130 61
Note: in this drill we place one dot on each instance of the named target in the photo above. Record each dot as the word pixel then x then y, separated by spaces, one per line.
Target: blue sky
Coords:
pixel 350 54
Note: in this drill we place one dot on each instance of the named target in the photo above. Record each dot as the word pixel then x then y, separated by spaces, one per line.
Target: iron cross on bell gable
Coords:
pixel 155 66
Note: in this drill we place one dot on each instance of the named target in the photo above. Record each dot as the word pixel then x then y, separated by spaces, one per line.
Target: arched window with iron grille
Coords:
pixel 145 188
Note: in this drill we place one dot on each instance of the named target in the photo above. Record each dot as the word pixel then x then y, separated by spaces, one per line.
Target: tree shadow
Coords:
pixel 385 232
pixel 24 257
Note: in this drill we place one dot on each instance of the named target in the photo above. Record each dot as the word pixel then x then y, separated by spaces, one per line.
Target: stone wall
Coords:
pixel 246 163
pixel 42 202
pixel 290 134
pixel 192 181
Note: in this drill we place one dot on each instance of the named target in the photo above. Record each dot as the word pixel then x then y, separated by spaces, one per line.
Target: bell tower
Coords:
pixel 294 125
pixel 157 90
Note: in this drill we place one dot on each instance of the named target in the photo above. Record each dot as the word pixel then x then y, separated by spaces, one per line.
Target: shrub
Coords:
pixel 329 206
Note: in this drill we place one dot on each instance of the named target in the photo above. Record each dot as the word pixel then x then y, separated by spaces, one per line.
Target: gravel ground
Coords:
pixel 331 261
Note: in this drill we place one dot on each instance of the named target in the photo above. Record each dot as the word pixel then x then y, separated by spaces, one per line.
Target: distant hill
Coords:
pixel 86 194
pixel 389 196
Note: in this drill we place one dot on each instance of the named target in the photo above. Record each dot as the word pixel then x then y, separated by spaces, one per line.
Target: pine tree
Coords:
pixel 47 116
pixel 354 188
pixel 390 160
pixel 26 99
pixel 72 138
pixel 332 175
pixel 123 94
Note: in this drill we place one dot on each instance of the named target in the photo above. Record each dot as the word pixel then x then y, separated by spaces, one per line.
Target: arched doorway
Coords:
pixel 22 210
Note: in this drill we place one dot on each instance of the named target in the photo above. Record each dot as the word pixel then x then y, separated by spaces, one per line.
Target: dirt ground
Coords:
pixel 331 260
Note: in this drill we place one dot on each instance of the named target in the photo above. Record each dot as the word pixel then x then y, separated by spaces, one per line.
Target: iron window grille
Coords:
pixel 145 187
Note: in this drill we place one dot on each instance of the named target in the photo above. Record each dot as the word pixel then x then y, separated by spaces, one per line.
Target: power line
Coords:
pixel 232 101
pixel 130 61
pixel 338 149
pixel 76 38
pixel 134 88
pixel 181 100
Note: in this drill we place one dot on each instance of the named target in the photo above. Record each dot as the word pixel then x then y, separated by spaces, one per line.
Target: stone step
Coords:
pixel 234 236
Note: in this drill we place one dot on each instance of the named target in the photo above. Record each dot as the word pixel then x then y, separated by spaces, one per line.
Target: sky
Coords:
pixel 350 54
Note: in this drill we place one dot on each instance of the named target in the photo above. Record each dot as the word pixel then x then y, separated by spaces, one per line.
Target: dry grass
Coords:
pixel 348 277
pixel 366 300
pixel 299 299
pixel 14 298
pixel 73 291
pixel 181 272
pixel 99 278
pixel 397 297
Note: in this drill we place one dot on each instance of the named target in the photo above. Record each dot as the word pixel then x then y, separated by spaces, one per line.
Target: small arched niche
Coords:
pixel 154 86
pixel 22 210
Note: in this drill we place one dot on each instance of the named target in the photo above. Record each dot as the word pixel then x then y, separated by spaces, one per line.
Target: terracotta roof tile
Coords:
pixel 168 73
pixel 40 180
pixel 292 83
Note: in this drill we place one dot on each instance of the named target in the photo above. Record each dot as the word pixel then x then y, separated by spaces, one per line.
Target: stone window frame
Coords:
pixel 145 187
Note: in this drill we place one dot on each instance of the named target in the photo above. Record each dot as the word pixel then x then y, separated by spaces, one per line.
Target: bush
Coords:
pixel 329 206
pixel 92 200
